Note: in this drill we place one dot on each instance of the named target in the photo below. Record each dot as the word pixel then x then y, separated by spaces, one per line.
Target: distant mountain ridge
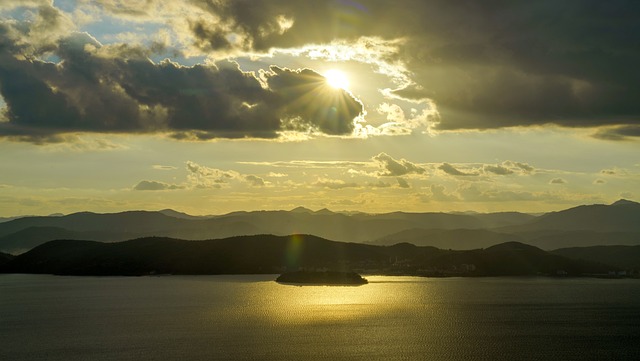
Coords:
pixel 621 216
pixel 578 226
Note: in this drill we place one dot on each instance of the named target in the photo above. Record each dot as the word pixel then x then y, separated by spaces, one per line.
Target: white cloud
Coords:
pixel 205 177
pixel 334 183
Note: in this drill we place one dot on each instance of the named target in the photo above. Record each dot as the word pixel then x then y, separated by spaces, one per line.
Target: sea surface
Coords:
pixel 254 318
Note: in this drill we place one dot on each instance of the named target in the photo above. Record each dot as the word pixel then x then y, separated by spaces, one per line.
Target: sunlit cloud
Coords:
pixel 163 167
pixel 308 164
pixel 391 167
pixel 146 185
pixel 334 183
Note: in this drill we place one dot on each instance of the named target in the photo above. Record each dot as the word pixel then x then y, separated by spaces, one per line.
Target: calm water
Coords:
pixel 254 318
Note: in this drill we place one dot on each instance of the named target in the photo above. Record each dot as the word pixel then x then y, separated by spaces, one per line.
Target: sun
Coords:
pixel 336 79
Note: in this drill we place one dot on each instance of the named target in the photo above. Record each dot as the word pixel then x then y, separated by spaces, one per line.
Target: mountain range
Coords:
pixel 588 225
pixel 275 254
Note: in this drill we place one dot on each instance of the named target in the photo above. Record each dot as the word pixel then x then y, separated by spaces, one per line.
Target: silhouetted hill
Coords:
pixel 447 238
pixel 515 259
pixel 502 219
pixel 125 222
pixel 625 257
pixel 274 254
pixel 28 238
pixel 554 239
pixel 451 231
pixel 621 216
pixel 236 255
pixel 25 233
pixel 4 259
pixel 624 202
pixel 181 215
pixel 356 227
pixel 480 238
pixel 7 219
pixel 324 211
pixel 524 259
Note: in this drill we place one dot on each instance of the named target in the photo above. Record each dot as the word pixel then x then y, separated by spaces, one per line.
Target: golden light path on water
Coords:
pixel 278 304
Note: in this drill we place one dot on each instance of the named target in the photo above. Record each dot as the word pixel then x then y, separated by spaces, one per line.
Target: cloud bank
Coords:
pixel 479 65
pixel 118 89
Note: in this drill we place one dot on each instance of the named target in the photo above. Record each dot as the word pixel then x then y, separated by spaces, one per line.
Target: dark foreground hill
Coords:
pixel 5 258
pixel 625 257
pixel 459 239
pixel 275 254
pixel 462 239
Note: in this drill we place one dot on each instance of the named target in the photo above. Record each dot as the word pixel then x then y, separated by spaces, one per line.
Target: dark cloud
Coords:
pixel 280 23
pixel 402 183
pixel 487 64
pixel 625 132
pixel 393 168
pixel 117 89
pixel 451 170
pixel 497 169
pixel 254 180
pixel 520 167
pixel 484 64
pixel 522 63
pixel 557 181
pixel 146 185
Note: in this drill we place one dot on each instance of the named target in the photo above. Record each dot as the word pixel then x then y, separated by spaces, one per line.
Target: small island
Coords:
pixel 329 278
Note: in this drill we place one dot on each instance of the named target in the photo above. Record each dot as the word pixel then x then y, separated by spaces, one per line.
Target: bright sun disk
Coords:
pixel 337 79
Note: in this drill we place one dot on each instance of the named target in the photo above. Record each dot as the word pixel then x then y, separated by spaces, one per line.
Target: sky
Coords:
pixel 214 106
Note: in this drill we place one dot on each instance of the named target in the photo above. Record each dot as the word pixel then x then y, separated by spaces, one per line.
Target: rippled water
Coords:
pixel 254 318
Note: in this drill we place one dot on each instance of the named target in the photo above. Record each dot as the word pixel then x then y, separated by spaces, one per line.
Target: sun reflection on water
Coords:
pixel 326 304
